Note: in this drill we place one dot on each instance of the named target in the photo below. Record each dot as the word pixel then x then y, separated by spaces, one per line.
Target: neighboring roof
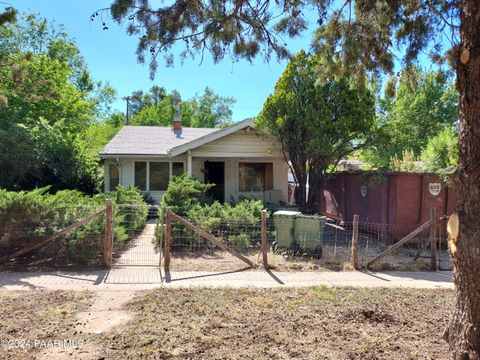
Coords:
pixel 161 141
pixel 351 164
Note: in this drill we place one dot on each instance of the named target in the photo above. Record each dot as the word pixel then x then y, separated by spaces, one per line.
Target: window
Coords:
pixel 114 176
pixel 255 176
pixel 177 168
pixel 141 175
pixel 159 176
pixel 155 175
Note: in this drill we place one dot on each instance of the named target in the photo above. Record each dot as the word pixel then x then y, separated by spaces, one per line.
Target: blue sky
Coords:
pixel 110 56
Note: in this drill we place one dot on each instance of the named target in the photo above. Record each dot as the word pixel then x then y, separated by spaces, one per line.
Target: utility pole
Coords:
pixel 127 99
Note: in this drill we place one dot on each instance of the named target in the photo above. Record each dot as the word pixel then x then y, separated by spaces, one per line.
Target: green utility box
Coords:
pixel 308 232
pixel 284 222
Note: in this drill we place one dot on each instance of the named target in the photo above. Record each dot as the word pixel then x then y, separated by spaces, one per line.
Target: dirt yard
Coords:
pixel 310 323
pixel 315 323
pixel 334 258
pixel 32 320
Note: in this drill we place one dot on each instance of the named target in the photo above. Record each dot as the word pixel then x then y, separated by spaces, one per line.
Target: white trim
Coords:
pixel 113 156
pixel 209 137
pixel 189 163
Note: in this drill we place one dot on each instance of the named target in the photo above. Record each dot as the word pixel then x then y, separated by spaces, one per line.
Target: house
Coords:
pixel 240 162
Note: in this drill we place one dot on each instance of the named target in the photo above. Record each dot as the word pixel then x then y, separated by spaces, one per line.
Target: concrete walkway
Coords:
pixel 138 278
pixel 142 250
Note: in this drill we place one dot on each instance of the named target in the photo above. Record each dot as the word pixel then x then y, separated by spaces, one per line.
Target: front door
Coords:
pixel 215 174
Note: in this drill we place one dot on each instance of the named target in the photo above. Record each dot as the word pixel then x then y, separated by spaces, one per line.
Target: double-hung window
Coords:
pixel 114 176
pixel 155 175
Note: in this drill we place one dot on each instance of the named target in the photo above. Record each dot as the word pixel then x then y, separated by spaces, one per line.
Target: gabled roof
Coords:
pixel 180 149
pixel 161 141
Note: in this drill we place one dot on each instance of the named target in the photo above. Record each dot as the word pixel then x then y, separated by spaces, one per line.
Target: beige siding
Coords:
pixel 243 143
pixel 240 146
pixel 197 169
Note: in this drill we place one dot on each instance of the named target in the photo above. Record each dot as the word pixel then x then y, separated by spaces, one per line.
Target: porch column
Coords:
pixel 189 163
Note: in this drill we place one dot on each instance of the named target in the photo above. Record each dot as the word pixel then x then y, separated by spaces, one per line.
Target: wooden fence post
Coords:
pixel 264 239
pixel 168 239
pixel 355 242
pixel 433 239
pixel 108 238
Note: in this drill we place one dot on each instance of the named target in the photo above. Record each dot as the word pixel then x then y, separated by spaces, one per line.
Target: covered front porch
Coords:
pixel 235 178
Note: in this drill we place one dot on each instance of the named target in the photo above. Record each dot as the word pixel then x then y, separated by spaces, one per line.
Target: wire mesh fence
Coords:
pixel 27 229
pixel 190 251
pixel 373 239
pixel 415 254
pixel 139 239
pixel 291 250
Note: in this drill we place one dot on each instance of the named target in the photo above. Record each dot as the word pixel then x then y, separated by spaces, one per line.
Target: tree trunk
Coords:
pixel 302 193
pixel 463 332
pixel 315 187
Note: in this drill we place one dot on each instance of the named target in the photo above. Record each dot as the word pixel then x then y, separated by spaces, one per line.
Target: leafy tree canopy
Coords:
pixel 316 125
pixel 9 15
pixel 235 28
pixel 415 108
pixel 157 108
pixel 49 101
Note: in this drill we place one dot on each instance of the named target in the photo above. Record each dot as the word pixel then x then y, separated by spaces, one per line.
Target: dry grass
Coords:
pixel 38 315
pixel 314 323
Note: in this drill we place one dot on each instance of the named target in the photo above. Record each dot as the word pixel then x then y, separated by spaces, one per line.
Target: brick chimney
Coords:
pixel 177 119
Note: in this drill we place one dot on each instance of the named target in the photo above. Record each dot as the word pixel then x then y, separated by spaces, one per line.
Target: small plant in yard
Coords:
pixel 324 292
pixel 274 259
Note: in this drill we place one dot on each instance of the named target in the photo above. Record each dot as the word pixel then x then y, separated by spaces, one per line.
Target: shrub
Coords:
pixel 240 240
pixel 408 162
pixel 246 211
pixel 130 212
pixel 27 217
pixel 238 224
pixel 183 193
